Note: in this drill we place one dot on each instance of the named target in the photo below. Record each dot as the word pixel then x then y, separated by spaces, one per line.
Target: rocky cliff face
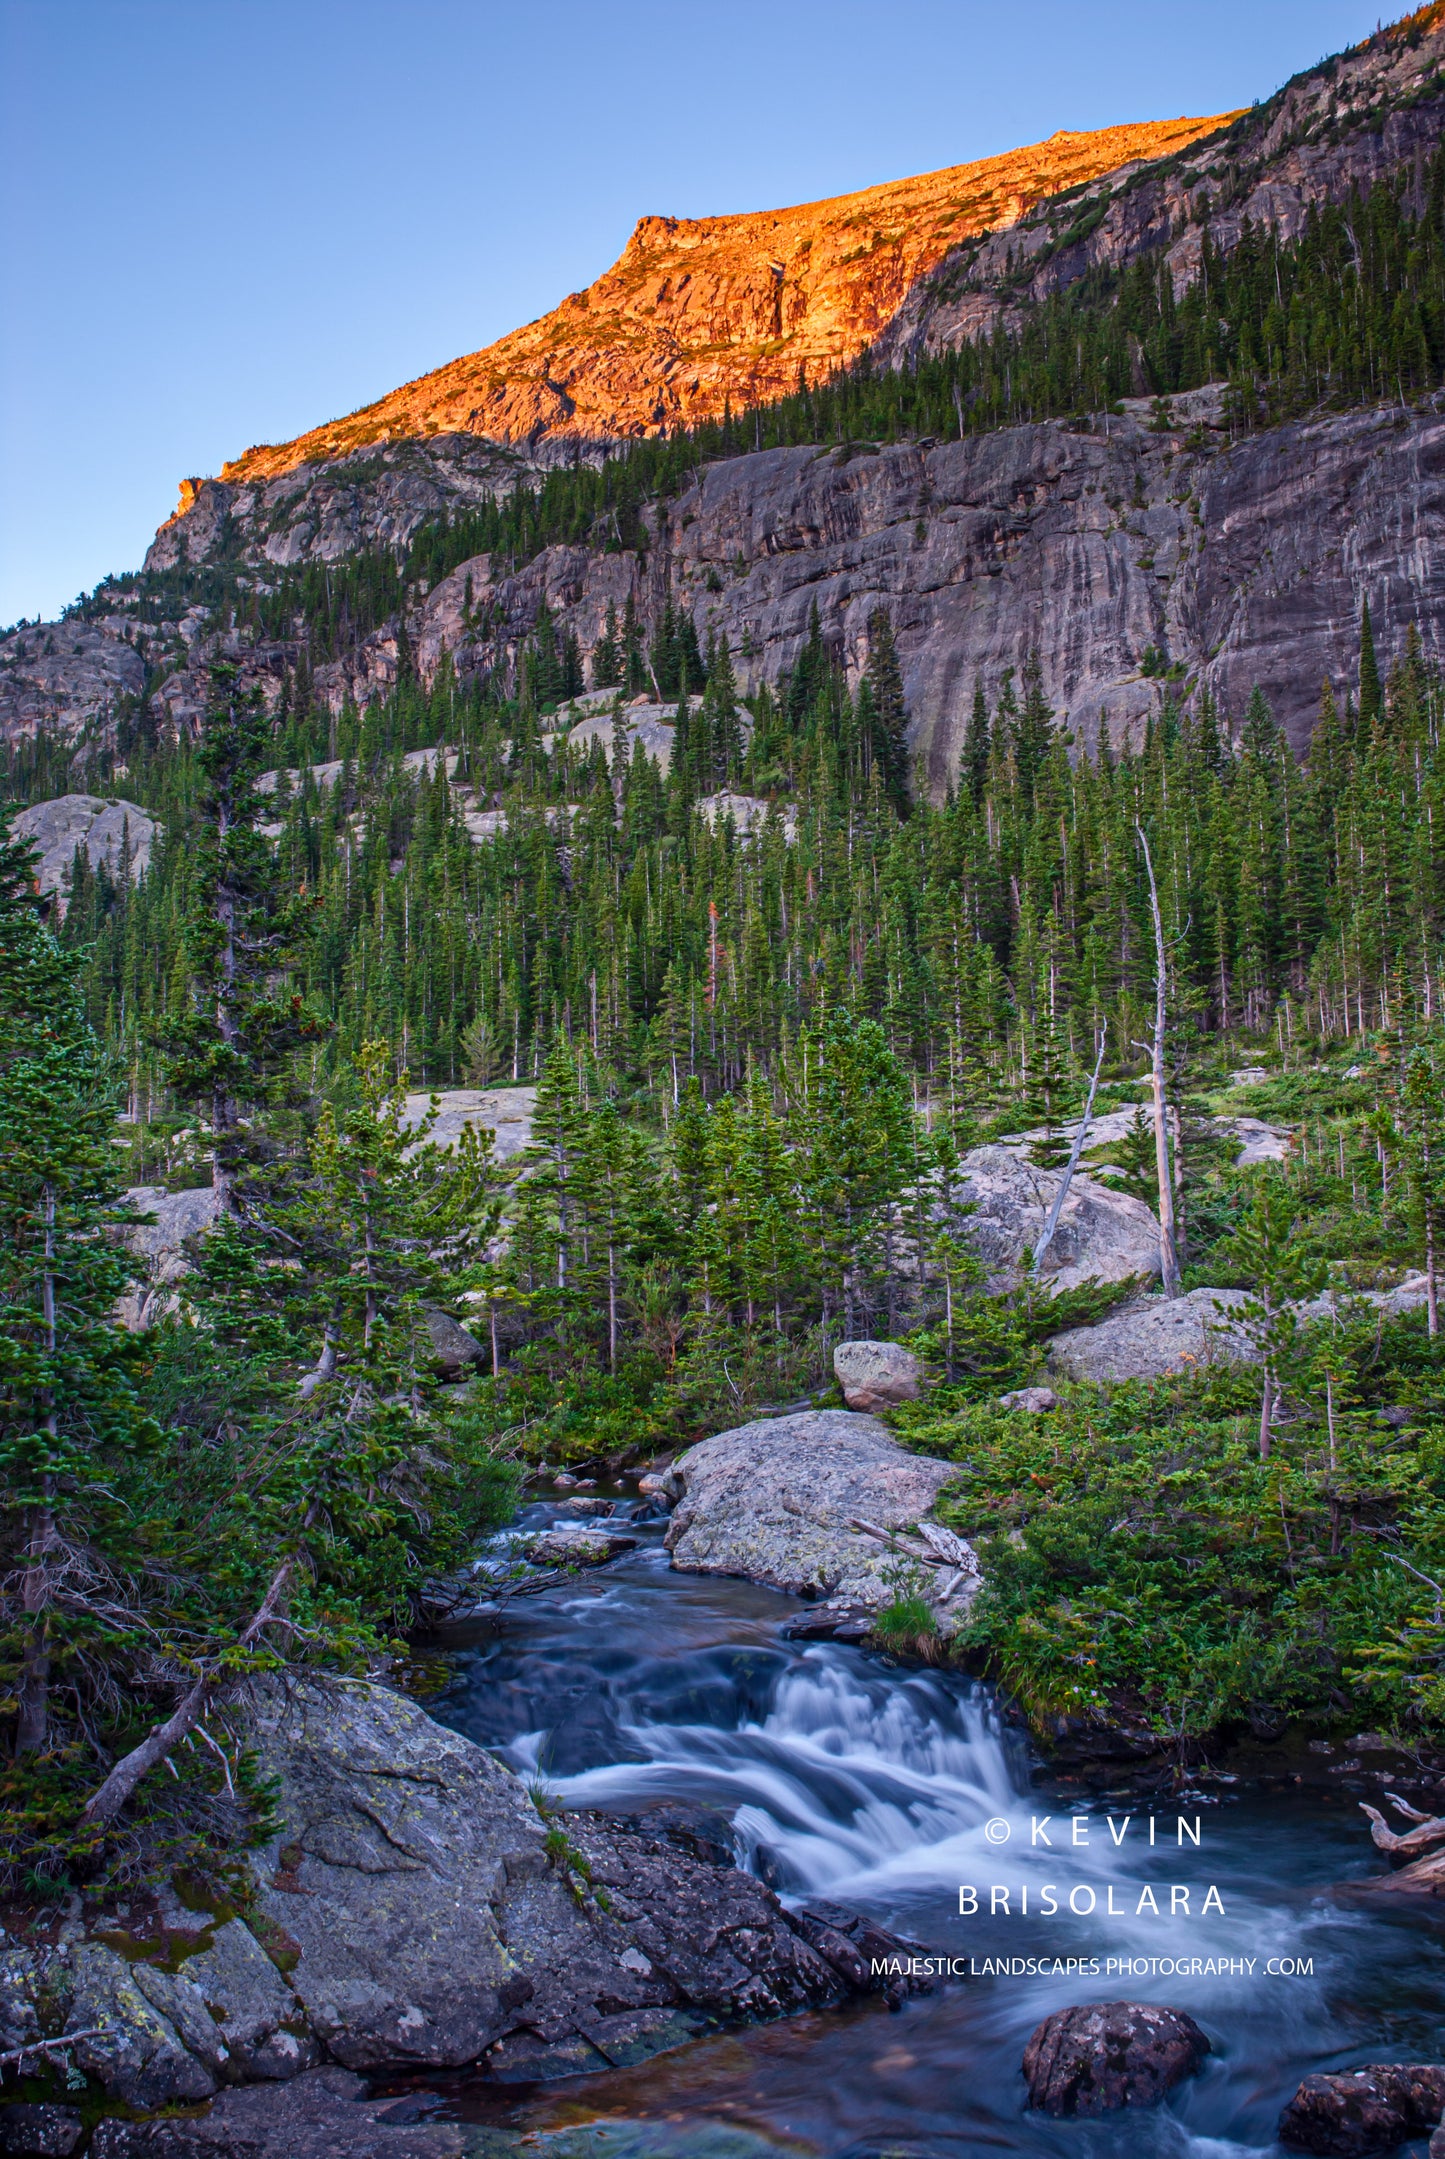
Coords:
pixel 697 311
pixel 1368 115
pixel 1241 562
pixel 1101 545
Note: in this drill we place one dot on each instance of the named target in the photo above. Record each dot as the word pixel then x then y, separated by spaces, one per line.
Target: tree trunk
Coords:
pixel 107 1800
pixel 1080 1141
pixel 33 1719
pixel 1168 1253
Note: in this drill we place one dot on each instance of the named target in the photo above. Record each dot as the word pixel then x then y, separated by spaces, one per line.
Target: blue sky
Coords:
pixel 224 221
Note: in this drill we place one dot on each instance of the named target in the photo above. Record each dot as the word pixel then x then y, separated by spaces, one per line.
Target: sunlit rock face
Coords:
pixel 699 312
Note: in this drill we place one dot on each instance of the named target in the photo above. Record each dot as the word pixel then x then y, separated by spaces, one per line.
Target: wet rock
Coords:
pixel 40 2132
pixel 1034 1400
pixel 1364 2110
pixel 1105 2055
pixel 888 2148
pixel 587 1505
pixel 775 1500
pixel 579 1545
pixel 703 1831
pixel 320 2115
pixel 877 1375
pixel 721 1938
pixel 868 1957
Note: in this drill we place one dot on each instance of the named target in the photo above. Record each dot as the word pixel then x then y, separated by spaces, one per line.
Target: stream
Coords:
pixel 885 1788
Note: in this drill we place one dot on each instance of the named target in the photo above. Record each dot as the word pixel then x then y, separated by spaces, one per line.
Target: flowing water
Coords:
pixel 887 1790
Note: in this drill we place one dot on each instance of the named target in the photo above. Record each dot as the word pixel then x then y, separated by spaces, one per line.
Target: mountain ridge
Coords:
pixel 697 313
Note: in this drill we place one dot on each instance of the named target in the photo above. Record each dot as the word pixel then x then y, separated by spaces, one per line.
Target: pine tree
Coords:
pixel 71 1430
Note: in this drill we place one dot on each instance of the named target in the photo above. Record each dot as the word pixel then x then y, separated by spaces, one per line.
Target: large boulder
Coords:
pixel 104 831
pixel 453 1347
pixel 877 1375
pixel 1105 2055
pixel 505 1112
pixel 1364 2110
pixel 777 1501
pixel 417 1912
pixel 1156 1337
pixel 1102 1235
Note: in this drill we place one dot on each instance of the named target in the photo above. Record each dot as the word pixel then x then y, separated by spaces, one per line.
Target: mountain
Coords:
pixel 697 313
pixel 995 472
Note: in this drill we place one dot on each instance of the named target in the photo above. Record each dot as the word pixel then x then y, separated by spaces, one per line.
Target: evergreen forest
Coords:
pixel 769 1001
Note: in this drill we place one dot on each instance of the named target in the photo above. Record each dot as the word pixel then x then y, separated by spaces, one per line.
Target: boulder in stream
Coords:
pixel 577 1544
pixel 778 1500
pixel 1105 2055
pixel 1364 2110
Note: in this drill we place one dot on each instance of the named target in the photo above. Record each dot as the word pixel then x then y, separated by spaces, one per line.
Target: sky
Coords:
pixel 225 221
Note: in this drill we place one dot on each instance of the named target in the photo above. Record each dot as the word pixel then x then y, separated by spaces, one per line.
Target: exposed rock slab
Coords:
pixel 109 832
pixel 505 1112
pixel 1106 2055
pixel 1364 2110
pixel 1102 1235
pixel 1158 1337
pixel 774 1500
pixel 1153 1339
pixel 158 1238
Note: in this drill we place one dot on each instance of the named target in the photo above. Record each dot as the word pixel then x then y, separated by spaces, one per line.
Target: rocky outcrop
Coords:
pixel 877 1375
pixel 167 1220
pixel 698 312
pixel 1366 115
pixel 1107 2055
pixel 777 1500
pixel 61 674
pixel 1102 1235
pixel 416 1911
pixel 505 1112
pixel 319 511
pixel 117 836
pixel 1158 1336
pixel 1364 2110
pixel 1151 1340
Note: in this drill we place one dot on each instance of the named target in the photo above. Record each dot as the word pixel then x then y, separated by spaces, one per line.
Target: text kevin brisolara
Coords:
pixel 1118 1900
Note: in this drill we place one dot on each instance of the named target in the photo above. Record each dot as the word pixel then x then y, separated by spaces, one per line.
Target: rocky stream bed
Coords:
pixel 664 1873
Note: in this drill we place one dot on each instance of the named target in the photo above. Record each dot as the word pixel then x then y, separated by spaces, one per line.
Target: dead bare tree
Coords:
pixel 1080 1141
pixel 1168 1249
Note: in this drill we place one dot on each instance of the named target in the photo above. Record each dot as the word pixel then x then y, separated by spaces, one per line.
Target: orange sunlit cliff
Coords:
pixel 700 311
